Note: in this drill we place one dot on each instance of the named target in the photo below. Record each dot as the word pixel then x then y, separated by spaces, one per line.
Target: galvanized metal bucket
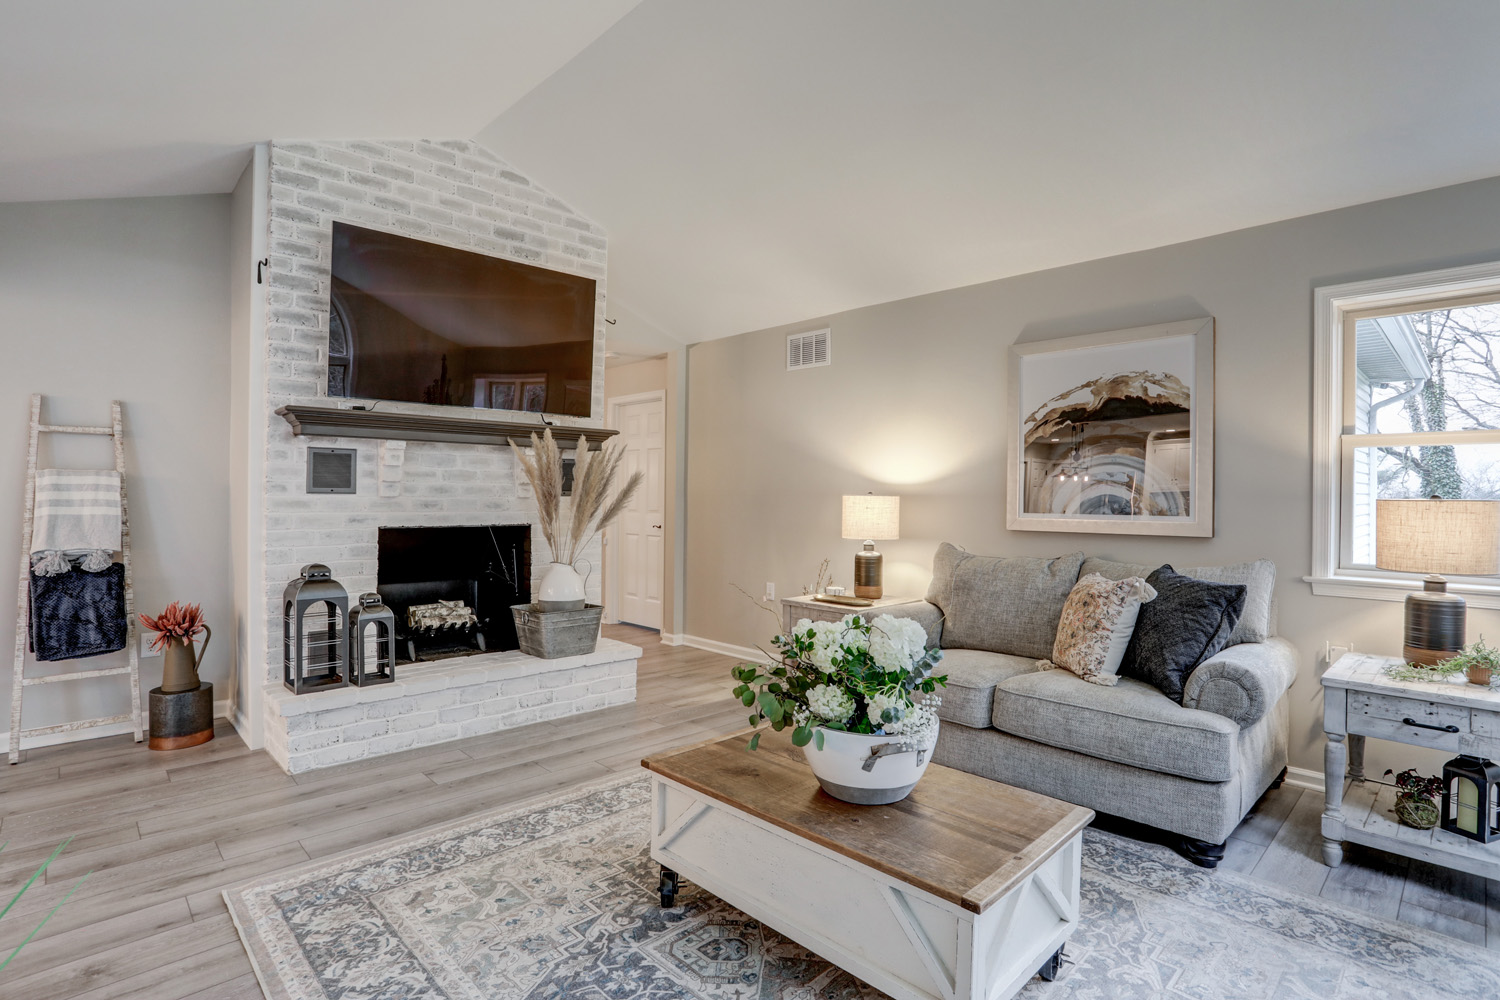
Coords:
pixel 551 634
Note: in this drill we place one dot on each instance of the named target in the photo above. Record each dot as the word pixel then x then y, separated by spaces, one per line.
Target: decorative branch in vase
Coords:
pixel 589 511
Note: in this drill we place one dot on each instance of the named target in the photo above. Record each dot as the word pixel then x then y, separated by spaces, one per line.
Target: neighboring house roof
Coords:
pixel 1387 350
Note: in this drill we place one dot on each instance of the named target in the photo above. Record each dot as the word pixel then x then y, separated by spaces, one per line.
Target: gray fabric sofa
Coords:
pixel 1193 769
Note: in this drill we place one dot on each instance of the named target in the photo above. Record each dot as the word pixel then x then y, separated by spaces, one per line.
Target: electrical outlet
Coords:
pixel 146 649
pixel 1332 652
pixel 770 591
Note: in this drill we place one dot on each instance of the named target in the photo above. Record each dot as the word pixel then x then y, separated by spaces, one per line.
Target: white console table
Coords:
pixel 1360 700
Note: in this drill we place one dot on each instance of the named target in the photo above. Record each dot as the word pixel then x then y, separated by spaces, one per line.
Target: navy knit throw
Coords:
pixel 77 613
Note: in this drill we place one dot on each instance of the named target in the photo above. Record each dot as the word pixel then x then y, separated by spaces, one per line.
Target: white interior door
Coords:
pixel 636 549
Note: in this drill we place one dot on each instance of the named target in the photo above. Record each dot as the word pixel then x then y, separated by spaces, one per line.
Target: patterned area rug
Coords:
pixel 556 900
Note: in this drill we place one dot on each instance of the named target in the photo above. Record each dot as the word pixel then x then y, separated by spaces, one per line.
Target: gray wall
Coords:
pixel 123 299
pixel 915 404
pixel 642 376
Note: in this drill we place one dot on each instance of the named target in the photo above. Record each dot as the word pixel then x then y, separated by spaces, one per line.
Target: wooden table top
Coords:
pixel 961 837
pixel 1366 672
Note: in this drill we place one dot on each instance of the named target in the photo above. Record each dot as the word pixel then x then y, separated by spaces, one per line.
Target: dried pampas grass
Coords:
pixel 590 509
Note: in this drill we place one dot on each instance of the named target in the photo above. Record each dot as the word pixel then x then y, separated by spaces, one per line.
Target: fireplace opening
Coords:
pixel 451 589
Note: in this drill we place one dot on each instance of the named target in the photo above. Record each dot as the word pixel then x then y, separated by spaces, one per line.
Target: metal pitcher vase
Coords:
pixel 179 668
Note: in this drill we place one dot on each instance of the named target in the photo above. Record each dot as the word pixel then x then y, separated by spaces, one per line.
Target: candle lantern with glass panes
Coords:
pixel 372 642
pixel 314 642
pixel 1471 798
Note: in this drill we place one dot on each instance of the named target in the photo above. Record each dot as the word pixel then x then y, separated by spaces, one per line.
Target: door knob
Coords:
pixel 656 526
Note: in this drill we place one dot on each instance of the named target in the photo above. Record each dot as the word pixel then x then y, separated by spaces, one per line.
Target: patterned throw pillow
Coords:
pixel 1096 625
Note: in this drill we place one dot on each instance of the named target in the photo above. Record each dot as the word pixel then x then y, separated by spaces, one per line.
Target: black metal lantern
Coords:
pixel 314 644
pixel 372 642
pixel 1471 798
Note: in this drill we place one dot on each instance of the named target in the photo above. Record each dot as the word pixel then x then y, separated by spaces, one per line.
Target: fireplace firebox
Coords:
pixel 451 588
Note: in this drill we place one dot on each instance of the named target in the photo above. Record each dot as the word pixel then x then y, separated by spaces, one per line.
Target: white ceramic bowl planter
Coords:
pixel 866 770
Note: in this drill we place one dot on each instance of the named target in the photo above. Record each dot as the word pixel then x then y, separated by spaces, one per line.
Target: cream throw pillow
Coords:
pixel 1096 625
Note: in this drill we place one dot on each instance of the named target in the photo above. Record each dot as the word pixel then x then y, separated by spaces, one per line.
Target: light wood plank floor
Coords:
pixel 163 833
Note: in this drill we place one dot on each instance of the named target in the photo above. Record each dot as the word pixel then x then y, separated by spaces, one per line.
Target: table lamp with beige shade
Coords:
pixel 871 518
pixel 1458 537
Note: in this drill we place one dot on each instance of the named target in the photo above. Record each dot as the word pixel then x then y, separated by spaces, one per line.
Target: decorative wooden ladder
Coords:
pixel 20 682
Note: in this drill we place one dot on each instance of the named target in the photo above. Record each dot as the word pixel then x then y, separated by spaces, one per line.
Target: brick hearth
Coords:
pixel 449 700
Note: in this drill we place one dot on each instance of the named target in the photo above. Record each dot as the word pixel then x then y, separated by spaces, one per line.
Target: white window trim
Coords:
pixel 1331 305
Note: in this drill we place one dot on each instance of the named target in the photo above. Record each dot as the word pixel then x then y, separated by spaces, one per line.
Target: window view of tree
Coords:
pixel 1462 348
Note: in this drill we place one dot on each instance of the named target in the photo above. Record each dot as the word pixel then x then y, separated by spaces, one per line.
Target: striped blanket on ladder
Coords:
pixel 77 516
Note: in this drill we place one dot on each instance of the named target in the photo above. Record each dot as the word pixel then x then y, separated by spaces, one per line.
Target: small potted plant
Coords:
pixel 1417 798
pixel 859 698
pixel 1479 663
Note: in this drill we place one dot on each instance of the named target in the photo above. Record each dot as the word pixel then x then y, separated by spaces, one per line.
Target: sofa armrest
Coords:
pixel 929 616
pixel 1242 683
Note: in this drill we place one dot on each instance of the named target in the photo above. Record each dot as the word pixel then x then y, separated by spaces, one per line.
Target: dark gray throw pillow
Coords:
pixel 1189 621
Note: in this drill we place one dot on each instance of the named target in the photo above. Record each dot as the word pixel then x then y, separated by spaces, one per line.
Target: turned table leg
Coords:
pixel 1356 757
pixel 1335 760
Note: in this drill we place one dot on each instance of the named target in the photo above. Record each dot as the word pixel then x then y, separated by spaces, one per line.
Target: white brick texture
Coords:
pixel 459 194
pixel 458 698
pixel 453 192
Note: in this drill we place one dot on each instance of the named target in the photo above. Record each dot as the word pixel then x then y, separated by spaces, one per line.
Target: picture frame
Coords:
pixel 1114 432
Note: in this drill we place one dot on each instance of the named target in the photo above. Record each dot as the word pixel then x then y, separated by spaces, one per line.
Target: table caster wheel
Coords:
pixel 669 880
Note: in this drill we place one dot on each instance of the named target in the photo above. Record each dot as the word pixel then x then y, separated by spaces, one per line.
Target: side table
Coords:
pixel 794 609
pixel 1359 701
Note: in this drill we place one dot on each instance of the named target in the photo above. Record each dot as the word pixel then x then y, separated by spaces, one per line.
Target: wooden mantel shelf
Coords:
pixel 329 421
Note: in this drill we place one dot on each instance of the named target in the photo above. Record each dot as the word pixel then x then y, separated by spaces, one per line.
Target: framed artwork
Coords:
pixel 1114 432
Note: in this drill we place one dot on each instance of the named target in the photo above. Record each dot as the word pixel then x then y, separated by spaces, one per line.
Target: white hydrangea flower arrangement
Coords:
pixel 857 675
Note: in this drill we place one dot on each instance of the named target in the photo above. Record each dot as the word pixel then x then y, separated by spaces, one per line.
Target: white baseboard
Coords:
pixel 241 723
pixel 671 639
pixel 221 711
pixel 728 649
pixel 1302 777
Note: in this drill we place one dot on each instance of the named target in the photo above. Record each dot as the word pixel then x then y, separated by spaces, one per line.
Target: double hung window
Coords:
pixel 1407 386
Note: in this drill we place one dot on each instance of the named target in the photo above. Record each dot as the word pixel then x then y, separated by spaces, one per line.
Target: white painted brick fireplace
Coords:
pixel 453 192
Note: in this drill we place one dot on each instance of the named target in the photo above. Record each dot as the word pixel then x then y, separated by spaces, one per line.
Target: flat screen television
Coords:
pixel 414 321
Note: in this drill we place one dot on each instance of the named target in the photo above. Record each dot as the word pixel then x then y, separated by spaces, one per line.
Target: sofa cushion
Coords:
pixel 1189 621
pixel 1257 624
pixel 1003 604
pixel 969 698
pixel 1131 723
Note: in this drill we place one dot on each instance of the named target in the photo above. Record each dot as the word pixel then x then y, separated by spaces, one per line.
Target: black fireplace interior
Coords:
pixel 486 567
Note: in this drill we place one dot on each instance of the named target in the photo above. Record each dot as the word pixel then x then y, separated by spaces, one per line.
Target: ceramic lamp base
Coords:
pixel 867 573
pixel 1435 624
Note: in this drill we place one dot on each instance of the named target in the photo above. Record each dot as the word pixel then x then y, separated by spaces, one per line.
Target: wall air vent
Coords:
pixel 807 350
pixel 331 470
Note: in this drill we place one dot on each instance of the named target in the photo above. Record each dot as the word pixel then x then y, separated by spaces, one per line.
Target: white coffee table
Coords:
pixel 965 889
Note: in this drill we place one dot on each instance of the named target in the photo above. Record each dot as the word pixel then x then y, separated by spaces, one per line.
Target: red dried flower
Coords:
pixel 178 620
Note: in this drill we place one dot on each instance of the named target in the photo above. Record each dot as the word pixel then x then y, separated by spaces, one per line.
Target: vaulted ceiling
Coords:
pixel 118 98
pixel 767 162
